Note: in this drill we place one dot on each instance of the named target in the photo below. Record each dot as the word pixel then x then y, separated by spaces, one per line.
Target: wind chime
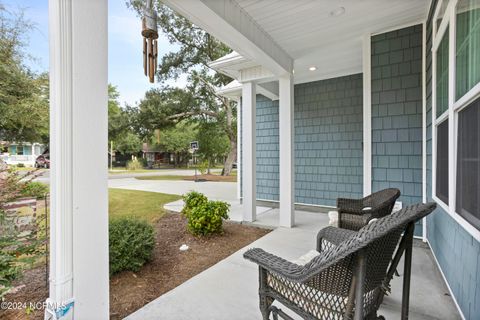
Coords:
pixel 150 36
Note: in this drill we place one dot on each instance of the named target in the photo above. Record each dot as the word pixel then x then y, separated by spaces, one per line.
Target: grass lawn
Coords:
pixel 141 204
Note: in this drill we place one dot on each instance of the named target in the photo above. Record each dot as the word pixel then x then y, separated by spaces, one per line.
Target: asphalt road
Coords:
pixel 45 176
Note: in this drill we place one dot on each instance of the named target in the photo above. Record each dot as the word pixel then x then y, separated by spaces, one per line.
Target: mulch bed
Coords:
pixel 212 177
pixel 169 268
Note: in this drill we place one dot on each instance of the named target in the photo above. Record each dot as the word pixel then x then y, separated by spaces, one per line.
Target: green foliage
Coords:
pixel 213 142
pixel 194 48
pixel 204 216
pixel 203 167
pixel 20 165
pixel 177 139
pixel 198 102
pixel 162 109
pixel 193 199
pixel 35 189
pixel 24 106
pixel 120 125
pixel 128 143
pixel 134 165
pixel 17 250
pixel 131 244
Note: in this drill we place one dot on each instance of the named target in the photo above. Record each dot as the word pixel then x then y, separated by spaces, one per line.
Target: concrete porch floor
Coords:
pixel 228 290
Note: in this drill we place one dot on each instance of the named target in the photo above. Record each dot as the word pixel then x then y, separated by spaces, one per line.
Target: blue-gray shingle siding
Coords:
pixel 397 113
pixel 267 149
pixel 328 142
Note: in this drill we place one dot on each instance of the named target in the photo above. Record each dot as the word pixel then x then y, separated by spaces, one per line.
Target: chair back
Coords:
pixel 378 240
pixel 382 202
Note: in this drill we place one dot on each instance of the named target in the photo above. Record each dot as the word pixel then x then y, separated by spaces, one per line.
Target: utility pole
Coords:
pixel 111 155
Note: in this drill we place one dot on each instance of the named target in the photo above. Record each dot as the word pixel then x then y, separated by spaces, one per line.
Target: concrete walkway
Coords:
pixel 228 290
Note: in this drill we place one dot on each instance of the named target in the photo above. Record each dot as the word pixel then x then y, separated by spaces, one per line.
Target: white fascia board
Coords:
pixel 233 91
pixel 228 60
pixel 229 23
pixel 256 74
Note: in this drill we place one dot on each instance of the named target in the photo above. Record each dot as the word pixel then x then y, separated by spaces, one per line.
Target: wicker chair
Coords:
pixel 353 269
pixel 353 214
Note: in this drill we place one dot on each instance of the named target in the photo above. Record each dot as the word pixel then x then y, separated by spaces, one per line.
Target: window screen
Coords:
pixel 468 164
pixel 467 46
pixel 442 162
pixel 442 75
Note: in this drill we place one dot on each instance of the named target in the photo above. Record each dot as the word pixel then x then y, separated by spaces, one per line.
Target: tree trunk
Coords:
pixel 227 166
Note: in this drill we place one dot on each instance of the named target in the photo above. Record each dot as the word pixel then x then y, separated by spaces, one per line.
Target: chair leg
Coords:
pixel 408 270
pixel 360 285
pixel 265 301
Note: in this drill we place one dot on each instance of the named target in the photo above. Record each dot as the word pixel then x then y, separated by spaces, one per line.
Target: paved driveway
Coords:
pixel 45 176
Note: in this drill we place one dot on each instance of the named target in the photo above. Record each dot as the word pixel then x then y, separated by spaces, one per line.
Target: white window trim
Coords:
pixel 454 107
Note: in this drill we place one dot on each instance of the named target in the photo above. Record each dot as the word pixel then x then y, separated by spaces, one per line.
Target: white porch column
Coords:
pixel 367 115
pixel 239 148
pixel 78 149
pixel 287 166
pixel 249 102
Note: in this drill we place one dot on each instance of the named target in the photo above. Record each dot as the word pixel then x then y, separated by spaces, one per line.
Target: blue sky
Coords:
pixel 125 64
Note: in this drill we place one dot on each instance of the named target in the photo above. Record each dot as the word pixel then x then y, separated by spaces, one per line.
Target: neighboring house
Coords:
pixel 25 153
pixel 155 157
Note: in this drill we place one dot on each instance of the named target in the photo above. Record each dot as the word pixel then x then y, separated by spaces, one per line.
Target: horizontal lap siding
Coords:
pixel 397 113
pixel 457 252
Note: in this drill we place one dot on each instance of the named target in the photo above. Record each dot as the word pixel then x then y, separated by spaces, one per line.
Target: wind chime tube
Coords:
pixel 152 63
pixel 155 56
pixel 150 35
pixel 145 56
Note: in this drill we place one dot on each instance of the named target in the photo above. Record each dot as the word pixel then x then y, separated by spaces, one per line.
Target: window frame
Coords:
pixel 452 113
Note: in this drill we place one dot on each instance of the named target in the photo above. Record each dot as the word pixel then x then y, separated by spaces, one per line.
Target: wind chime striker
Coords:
pixel 150 36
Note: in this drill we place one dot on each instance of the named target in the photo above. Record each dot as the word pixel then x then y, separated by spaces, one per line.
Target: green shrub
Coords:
pixel 204 217
pixel 134 165
pixel 193 199
pixel 20 165
pixel 203 167
pixel 35 189
pixel 131 243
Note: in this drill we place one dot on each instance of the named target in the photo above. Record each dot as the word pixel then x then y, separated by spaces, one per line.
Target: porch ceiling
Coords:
pixel 306 30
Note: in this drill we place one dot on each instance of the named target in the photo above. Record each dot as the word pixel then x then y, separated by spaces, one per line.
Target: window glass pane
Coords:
pixel 468 164
pixel 467 46
pixel 441 13
pixel 442 162
pixel 20 150
pixel 442 75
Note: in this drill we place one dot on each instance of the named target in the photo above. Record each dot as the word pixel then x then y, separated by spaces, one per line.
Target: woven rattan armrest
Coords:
pixel 333 235
pixel 274 264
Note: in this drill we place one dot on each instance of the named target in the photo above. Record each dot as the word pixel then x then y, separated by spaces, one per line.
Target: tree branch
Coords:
pixel 193 113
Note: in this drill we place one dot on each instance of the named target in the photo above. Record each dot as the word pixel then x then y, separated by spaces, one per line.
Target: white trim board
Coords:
pixel 424 125
pixel 446 282
pixel 367 115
